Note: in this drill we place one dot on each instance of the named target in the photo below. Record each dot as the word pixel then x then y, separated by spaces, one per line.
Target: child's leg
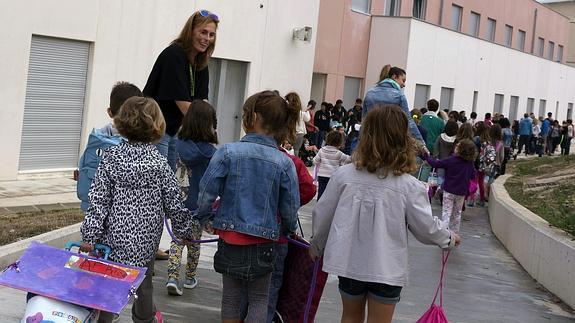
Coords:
pixel 378 312
pixel 193 257
pixel 232 290
pixel 353 297
pixel 258 294
pixel 455 221
pixel 175 260
pixel 144 309
pixel 322 184
pixel 276 280
pixel 447 209
pixel 481 184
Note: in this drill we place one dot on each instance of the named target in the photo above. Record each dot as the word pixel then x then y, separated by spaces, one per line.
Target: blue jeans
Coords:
pixel 322 184
pixel 319 139
pixel 167 148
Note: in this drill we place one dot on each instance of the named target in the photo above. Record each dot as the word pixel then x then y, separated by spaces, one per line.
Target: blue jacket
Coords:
pixel 255 181
pixel 196 156
pixel 545 127
pixel 385 93
pixel 525 127
pixel 98 141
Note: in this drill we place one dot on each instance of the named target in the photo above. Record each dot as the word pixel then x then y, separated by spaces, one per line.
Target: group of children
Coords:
pixel 259 188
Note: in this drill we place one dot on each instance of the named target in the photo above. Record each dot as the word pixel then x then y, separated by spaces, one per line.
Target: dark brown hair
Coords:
pixel 120 93
pixel 495 134
pixel 274 114
pixel 140 120
pixel 466 149
pixel 186 35
pixel 199 123
pixel 334 138
pixel 451 128
pixel 432 105
pixel 482 131
pixel 385 143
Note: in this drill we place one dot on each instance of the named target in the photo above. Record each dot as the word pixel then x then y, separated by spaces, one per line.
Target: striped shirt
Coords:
pixel 328 159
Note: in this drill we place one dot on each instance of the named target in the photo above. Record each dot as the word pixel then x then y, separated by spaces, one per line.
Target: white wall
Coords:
pixel 128 35
pixel 443 58
pixel 545 252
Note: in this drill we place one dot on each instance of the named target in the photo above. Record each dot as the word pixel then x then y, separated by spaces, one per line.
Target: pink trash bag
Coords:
pixel 435 312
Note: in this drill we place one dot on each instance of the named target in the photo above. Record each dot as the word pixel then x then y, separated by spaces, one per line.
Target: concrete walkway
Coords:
pixel 483 284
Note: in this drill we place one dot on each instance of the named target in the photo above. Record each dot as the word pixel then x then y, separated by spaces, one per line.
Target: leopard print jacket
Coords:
pixel 134 188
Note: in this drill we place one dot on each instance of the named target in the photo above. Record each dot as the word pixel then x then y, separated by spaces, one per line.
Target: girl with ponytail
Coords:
pixel 255 181
pixel 388 91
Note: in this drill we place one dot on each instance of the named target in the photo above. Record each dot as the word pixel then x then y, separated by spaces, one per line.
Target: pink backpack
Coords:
pixel 435 312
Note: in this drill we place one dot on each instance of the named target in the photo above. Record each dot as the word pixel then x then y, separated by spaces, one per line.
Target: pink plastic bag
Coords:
pixel 472 187
pixel 435 312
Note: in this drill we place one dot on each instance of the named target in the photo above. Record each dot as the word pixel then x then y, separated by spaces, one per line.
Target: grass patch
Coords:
pixel 18 226
pixel 555 204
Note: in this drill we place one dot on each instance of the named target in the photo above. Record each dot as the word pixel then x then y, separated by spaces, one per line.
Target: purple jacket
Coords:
pixel 458 173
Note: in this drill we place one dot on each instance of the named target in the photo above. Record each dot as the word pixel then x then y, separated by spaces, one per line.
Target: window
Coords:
pixel 508 36
pixel 540 46
pixel 570 111
pixel 318 85
pixel 521 40
pixel 474 20
pixel 560 53
pixel 456 13
pixel 513 106
pixel 351 91
pixel 227 91
pixel 498 103
pixel 419 8
pixel 542 107
pixel 54 105
pixel 392 7
pixel 490 33
pixel 556 109
pixel 421 95
pixel 360 5
pixel 474 106
pixel 530 105
pixel 446 98
pixel 550 50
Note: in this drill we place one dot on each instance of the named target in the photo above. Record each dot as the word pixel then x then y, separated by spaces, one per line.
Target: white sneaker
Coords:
pixel 173 288
pixel 190 283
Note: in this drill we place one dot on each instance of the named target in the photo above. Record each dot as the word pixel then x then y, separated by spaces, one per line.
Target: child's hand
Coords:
pixel 457 238
pixel 312 254
pixel 86 247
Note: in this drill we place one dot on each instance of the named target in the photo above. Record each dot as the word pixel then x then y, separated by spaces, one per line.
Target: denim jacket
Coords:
pixel 385 93
pixel 255 181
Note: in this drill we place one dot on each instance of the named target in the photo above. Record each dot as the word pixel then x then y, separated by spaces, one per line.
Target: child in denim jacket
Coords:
pixel 255 182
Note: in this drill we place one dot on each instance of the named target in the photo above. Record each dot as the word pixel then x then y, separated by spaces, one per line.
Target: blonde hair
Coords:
pixel 186 35
pixel 385 143
pixel 140 120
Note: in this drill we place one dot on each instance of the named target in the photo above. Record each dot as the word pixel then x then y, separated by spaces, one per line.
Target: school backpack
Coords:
pixel 486 156
pixel 98 142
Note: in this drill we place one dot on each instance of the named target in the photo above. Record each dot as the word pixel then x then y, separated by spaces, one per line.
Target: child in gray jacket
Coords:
pixel 375 199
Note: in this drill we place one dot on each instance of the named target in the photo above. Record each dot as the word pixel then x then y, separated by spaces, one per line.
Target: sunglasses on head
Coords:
pixel 207 14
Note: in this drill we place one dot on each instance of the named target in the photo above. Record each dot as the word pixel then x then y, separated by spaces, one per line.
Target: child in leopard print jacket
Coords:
pixel 133 190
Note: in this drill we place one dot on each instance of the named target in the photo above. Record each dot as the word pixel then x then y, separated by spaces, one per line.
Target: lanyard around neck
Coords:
pixel 193 79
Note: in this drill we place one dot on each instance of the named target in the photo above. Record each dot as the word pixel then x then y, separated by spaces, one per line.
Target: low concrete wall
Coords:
pixel 57 238
pixel 546 253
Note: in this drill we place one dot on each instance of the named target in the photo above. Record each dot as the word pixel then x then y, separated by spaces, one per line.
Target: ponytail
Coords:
pixel 384 73
pixel 387 72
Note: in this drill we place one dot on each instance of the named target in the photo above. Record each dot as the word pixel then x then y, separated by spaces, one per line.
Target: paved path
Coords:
pixel 483 284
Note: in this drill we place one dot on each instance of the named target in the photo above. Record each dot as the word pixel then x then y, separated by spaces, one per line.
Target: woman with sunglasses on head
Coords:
pixel 180 75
